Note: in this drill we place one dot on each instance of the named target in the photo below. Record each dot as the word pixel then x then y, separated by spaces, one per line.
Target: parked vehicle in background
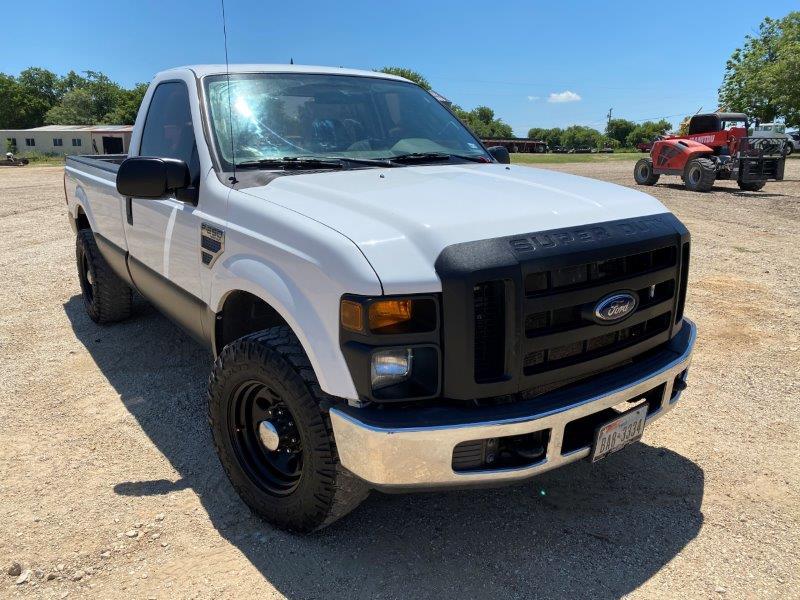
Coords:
pixel 559 150
pixel 716 147
pixel 647 146
pixel 794 136
pixel 389 304
pixel 13 161
pixel 773 130
pixel 521 145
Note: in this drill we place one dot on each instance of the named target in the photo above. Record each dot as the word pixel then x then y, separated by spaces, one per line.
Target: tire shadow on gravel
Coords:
pixel 725 190
pixel 582 531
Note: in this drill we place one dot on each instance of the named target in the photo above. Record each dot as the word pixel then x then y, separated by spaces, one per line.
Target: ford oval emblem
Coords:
pixel 616 307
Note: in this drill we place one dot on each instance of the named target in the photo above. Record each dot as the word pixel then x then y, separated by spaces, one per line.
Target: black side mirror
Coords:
pixel 500 154
pixel 145 177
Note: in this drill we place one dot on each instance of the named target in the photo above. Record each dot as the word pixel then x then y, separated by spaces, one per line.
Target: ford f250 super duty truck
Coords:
pixel 389 303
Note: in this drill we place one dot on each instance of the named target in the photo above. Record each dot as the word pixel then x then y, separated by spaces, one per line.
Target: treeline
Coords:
pixel 619 133
pixel 481 119
pixel 39 97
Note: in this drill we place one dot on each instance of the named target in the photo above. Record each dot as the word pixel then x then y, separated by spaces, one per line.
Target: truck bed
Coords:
pixel 104 162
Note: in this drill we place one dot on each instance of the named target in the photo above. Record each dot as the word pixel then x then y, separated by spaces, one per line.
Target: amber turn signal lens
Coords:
pixel 386 313
pixel 352 315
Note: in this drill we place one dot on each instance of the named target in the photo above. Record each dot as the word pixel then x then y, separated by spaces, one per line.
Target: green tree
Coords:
pixel 482 122
pixel 417 78
pixel 41 83
pixel 75 108
pixel 648 130
pixel 124 113
pixel 619 129
pixel 550 136
pixel 762 78
pixel 577 136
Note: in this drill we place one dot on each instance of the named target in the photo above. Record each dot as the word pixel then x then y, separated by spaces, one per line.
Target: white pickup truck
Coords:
pixel 389 303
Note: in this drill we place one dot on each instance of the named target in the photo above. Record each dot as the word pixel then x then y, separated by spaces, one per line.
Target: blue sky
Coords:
pixel 643 61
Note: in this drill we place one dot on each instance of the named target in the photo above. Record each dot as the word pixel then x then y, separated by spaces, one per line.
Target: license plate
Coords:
pixel 616 434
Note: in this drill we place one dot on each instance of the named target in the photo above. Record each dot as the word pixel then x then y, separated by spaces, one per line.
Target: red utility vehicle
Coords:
pixel 716 147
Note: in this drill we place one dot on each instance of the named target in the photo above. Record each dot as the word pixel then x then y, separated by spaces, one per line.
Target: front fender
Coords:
pixel 671 155
pixel 315 322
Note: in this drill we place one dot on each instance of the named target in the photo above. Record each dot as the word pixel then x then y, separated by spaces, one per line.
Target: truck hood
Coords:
pixel 402 218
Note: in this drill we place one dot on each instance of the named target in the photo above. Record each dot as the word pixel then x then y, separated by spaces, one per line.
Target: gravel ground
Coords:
pixel 109 486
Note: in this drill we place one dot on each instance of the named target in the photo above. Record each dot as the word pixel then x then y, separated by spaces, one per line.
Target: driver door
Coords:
pixel 163 235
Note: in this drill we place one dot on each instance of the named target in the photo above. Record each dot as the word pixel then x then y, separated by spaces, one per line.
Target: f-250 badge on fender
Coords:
pixel 212 242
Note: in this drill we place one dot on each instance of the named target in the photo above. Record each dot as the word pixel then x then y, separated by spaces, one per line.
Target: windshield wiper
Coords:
pixel 310 162
pixel 292 162
pixel 378 162
pixel 413 157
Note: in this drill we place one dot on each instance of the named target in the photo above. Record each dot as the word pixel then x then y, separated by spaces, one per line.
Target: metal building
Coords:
pixel 68 139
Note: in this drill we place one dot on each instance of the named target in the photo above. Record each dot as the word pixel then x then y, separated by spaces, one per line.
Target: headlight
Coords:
pixel 389 316
pixel 389 367
pixel 392 345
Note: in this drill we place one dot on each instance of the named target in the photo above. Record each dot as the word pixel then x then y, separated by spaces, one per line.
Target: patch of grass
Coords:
pixel 745 250
pixel 548 159
pixel 42 159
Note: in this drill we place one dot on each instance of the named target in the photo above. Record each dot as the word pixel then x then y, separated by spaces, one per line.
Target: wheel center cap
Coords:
pixel 268 435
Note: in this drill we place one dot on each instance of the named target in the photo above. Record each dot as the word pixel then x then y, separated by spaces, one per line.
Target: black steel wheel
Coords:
pixel 265 438
pixel 273 436
pixel 105 296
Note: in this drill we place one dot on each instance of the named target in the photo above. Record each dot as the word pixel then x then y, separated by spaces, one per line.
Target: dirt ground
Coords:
pixel 109 486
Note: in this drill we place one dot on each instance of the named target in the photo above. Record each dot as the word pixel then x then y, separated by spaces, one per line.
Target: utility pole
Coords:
pixel 608 117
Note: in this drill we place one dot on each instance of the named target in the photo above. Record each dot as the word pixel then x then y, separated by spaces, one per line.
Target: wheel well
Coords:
pixel 243 313
pixel 81 220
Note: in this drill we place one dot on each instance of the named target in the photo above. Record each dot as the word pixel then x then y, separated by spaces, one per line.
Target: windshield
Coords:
pixel 280 115
pixel 728 124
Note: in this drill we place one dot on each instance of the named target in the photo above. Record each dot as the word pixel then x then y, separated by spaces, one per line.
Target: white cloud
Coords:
pixel 533 98
pixel 565 96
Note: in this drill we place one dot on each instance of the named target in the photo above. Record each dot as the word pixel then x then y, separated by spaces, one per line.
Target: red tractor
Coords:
pixel 716 147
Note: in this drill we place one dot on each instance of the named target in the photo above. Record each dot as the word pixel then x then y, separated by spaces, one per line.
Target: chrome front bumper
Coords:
pixel 420 456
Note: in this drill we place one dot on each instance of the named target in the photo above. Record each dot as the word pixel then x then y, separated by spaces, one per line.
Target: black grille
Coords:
pixel 588 274
pixel 561 338
pixel 489 303
pixel 556 357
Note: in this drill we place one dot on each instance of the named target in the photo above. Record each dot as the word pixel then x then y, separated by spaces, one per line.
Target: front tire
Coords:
pixel 643 172
pixel 106 297
pixel 751 186
pixel 700 174
pixel 273 435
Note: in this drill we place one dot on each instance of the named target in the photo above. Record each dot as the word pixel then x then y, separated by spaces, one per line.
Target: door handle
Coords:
pixel 129 210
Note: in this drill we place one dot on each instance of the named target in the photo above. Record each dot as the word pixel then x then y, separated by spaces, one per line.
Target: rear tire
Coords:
pixel 751 186
pixel 293 479
pixel 700 174
pixel 643 172
pixel 105 296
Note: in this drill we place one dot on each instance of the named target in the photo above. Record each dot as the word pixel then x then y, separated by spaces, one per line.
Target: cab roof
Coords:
pixel 204 70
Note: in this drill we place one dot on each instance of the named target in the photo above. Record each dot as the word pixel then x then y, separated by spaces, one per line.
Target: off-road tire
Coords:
pixel 106 297
pixel 643 172
pixel 751 186
pixel 788 149
pixel 325 491
pixel 700 174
